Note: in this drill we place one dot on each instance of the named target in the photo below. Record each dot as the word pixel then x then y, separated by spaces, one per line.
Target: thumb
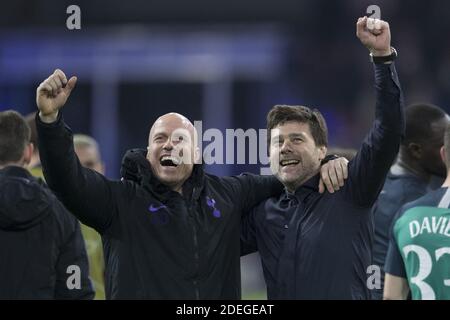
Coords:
pixel 70 85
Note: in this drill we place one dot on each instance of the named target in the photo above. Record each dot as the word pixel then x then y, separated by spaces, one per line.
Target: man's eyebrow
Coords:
pixel 160 133
pixel 276 137
pixel 297 134
pixel 183 134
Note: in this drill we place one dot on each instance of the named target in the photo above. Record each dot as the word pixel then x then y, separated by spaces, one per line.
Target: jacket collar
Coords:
pixel 135 167
pixel 16 171
pixel 310 186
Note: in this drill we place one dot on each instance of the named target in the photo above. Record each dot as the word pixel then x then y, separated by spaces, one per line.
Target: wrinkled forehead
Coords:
pixel 291 127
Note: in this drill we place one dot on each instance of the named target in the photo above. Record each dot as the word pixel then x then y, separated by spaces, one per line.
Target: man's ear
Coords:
pixel 322 152
pixel 415 150
pixel 443 156
pixel 28 153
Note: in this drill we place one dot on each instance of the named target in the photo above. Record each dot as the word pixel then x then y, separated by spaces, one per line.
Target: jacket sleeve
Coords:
pixel 368 170
pixel 86 193
pixel 248 233
pixel 394 264
pixel 72 278
pixel 250 189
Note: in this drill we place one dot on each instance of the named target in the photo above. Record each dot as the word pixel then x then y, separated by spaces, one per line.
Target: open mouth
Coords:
pixel 291 162
pixel 169 161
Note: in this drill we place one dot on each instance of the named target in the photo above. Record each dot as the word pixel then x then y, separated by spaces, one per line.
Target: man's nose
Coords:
pixel 285 147
pixel 168 145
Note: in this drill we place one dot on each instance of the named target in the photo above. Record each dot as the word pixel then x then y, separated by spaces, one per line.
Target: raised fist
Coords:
pixel 375 34
pixel 52 94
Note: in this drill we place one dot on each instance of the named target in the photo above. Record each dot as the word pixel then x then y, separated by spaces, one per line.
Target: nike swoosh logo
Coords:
pixel 154 209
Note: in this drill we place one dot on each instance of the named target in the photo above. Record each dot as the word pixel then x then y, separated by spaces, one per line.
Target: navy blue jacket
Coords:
pixel 398 190
pixel 319 246
pixel 39 242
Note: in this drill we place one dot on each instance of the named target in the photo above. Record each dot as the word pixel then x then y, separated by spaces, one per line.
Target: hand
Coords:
pixel 332 175
pixel 52 94
pixel 375 34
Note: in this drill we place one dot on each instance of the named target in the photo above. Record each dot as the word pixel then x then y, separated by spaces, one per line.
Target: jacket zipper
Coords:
pixel 196 249
pixel 196 257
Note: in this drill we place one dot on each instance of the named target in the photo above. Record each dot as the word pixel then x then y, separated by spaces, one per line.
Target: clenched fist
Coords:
pixel 52 94
pixel 375 35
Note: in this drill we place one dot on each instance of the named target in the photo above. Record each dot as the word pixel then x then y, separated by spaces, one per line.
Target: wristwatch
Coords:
pixel 328 158
pixel 384 59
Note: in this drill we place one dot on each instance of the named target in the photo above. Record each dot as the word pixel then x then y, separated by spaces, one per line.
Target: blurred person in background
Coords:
pixel 42 253
pixel 418 259
pixel 414 173
pixel 34 166
pixel 88 153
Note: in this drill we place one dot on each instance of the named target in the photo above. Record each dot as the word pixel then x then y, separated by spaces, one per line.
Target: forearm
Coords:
pixel 85 193
pixel 395 288
pixel 257 188
pixel 57 155
pixel 389 99
pixel 380 147
pixel 389 125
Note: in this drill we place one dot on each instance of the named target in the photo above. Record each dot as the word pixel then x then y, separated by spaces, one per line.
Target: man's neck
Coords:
pixel 292 188
pixel 177 188
pixel 34 162
pixel 411 167
pixel 12 164
pixel 447 180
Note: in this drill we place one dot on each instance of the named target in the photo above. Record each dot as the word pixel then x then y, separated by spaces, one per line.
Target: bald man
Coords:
pixel 169 230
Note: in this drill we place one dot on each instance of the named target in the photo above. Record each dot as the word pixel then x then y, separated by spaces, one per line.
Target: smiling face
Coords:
pixel 172 150
pixel 294 156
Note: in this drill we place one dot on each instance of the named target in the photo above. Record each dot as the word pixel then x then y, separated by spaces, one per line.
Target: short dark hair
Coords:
pixel 281 114
pixel 14 136
pixel 419 118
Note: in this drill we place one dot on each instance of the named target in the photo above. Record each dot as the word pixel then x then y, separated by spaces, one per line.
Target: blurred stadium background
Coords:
pixel 223 62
